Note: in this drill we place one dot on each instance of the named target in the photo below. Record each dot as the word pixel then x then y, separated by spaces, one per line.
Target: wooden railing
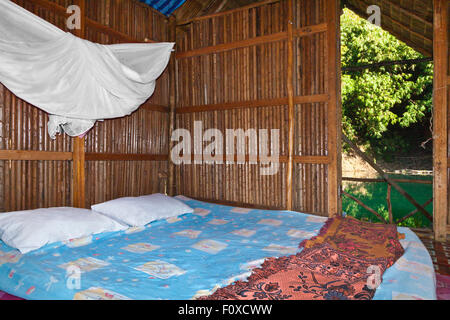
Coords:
pixel 391 183
pixel 388 198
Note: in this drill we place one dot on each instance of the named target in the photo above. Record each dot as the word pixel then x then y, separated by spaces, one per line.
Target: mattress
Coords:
pixel 186 257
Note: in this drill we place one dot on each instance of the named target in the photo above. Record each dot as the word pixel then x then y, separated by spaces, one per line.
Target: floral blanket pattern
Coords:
pixel 361 239
pixel 338 264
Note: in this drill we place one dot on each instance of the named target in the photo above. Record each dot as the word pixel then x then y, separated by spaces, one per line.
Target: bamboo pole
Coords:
pixel 78 185
pixel 440 130
pixel 291 115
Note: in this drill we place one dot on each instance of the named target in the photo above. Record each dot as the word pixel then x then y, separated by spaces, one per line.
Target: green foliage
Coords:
pixel 378 103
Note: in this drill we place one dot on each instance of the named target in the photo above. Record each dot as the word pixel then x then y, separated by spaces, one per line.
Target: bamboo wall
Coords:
pixel 250 68
pixel 123 156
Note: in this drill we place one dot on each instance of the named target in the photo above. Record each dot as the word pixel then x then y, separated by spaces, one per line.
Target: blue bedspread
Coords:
pixel 187 256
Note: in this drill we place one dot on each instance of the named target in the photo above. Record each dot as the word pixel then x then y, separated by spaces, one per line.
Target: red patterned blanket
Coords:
pixel 345 261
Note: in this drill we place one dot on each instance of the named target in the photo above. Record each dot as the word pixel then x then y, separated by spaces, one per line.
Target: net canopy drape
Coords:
pixel 77 82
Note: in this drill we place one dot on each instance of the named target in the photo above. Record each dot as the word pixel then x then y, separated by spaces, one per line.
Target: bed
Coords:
pixel 186 257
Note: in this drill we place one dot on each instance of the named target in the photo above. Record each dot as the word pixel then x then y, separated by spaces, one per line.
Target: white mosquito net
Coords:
pixel 77 82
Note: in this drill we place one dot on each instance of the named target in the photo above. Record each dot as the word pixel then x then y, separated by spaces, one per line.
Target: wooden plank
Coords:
pixel 227 12
pixel 382 180
pixel 233 45
pixel 440 130
pixel 318 98
pixel 93 156
pixel 35 155
pixel 78 167
pixel 155 107
pixel 291 107
pixel 334 107
pixel 281 159
pixel 303 32
pixel 91 24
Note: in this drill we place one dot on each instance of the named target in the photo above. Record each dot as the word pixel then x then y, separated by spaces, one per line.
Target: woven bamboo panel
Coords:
pixel 240 58
pixel 107 180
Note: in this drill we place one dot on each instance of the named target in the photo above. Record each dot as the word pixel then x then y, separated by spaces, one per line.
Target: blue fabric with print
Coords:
pixel 186 257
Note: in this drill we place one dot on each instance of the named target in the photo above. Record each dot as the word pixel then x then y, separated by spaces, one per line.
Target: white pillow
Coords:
pixel 139 211
pixel 31 229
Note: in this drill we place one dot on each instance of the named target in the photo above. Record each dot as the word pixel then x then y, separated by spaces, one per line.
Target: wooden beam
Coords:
pixel 382 180
pixel 291 107
pixel 89 23
pixel 155 107
pixel 318 98
pixel 78 167
pixel 213 15
pixel 387 63
pixel 93 156
pixel 238 204
pixel 387 178
pixel 233 45
pixel 280 36
pixel 440 130
pixel 413 212
pixel 35 155
pixel 333 77
pixel 79 174
pixel 281 159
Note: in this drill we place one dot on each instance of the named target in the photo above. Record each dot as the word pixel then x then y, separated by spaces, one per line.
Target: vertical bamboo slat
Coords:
pixel 290 90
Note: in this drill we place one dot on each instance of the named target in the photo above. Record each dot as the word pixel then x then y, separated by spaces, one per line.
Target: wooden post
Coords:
pixel 172 102
pixel 334 108
pixel 389 204
pixel 291 113
pixel 440 142
pixel 78 176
